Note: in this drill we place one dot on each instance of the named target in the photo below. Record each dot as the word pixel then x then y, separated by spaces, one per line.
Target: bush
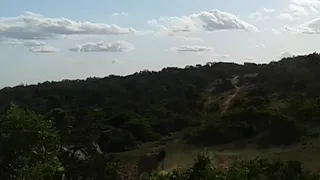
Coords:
pixel 243 124
pixel 283 130
pixel 141 130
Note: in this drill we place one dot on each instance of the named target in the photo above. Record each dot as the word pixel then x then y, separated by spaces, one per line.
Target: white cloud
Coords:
pixel 258 46
pixel 285 16
pixel 188 48
pixel 310 27
pixel 27 43
pixel 301 8
pixel 307 3
pixel 258 16
pixel 5 41
pixel 289 30
pixel 221 56
pixel 190 38
pixel 115 61
pixel 267 10
pixel 314 10
pixel 103 46
pixel 213 20
pixel 36 26
pixel 248 58
pixel 43 49
pixel 297 10
pixel 173 24
pixel 286 55
pixel 32 43
pixel 218 20
pixel 120 14
pixel 292 30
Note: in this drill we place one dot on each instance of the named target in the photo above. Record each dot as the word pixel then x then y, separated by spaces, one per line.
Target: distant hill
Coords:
pixel 147 106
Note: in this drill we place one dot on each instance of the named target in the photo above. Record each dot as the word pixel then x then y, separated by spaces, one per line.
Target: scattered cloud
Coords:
pixel 261 14
pixel 221 56
pixel 218 20
pixel 310 27
pixel 103 46
pixel 267 10
pixel 258 46
pixel 288 30
pixel 36 26
pixel 120 14
pixel 248 58
pixel 27 43
pixel 171 25
pixel 43 49
pixel 5 41
pixel 195 39
pixel 115 61
pixel 32 43
pixel 300 8
pixel 258 16
pixel 285 17
pixel 213 20
pixel 286 54
pixel 188 48
pixel 297 10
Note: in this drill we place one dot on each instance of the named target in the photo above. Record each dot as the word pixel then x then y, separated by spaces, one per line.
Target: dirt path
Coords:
pixel 226 104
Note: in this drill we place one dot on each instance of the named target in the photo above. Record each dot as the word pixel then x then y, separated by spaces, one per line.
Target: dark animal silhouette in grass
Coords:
pixel 150 162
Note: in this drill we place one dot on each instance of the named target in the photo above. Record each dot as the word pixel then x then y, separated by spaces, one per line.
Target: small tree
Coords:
pixel 28 146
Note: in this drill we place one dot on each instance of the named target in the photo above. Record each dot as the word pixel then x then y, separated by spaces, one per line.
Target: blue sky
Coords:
pixel 55 40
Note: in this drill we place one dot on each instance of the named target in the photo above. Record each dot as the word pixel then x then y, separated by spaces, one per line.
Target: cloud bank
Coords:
pixel 213 20
pixel 188 48
pixel 43 49
pixel 103 46
pixel 36 26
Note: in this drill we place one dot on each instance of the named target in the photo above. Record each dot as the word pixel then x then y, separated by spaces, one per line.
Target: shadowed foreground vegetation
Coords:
pixel 258 168
pixel 80 128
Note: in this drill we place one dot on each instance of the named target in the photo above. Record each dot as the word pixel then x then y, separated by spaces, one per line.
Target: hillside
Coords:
pixel 267 105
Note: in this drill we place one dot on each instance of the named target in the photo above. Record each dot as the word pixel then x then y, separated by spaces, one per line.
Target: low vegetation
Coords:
pixel 258 168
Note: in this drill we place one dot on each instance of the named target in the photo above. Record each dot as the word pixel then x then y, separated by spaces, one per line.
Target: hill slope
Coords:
pixel 147 105
pixel 214 105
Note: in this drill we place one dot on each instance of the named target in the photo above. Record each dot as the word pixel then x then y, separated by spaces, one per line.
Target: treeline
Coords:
pixel 146 106
pixel 137 108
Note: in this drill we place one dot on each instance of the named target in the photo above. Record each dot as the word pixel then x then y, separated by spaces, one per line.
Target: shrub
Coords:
pixel 141 130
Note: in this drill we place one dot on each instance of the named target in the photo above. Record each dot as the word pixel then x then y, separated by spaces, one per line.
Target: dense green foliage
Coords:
pixel 42 126
pixel 30 149
pixel 246 123
pixel 29 146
